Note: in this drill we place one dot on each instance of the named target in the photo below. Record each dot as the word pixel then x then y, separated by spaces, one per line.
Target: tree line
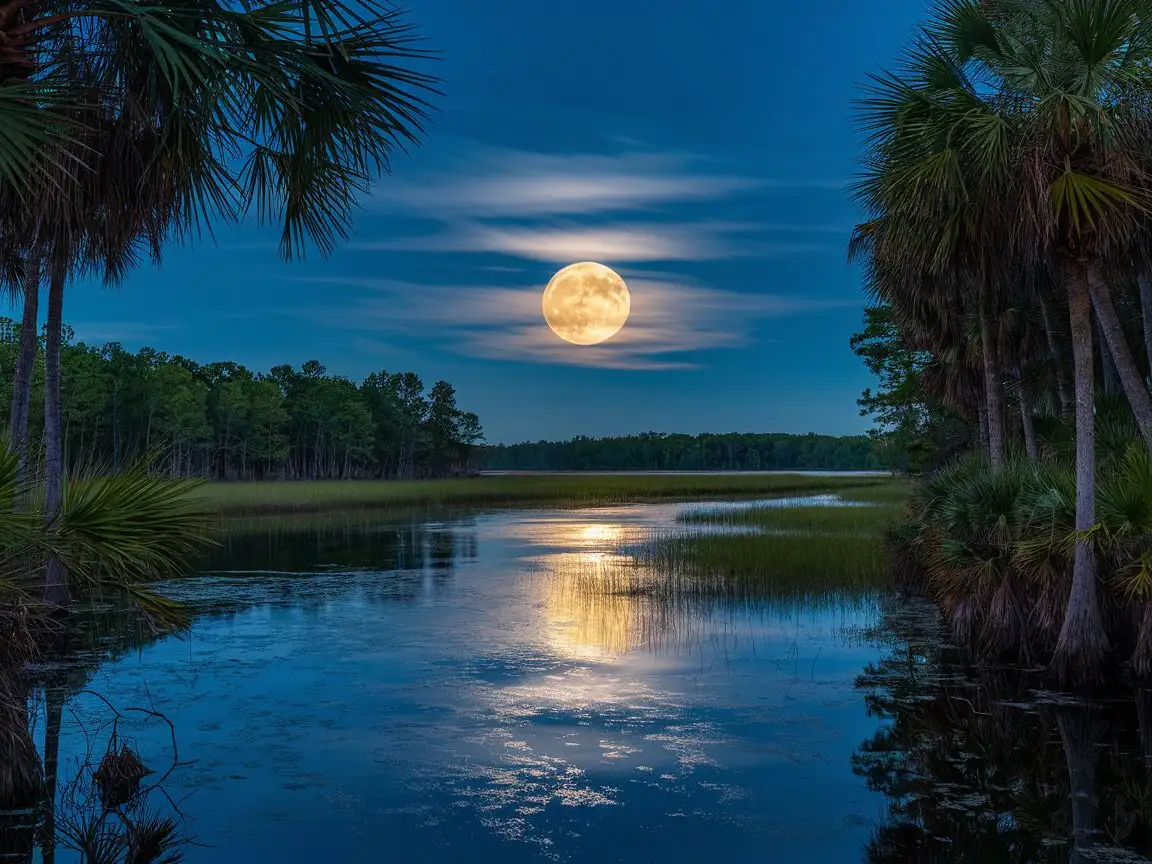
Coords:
pixel 654 451
pixel 224 421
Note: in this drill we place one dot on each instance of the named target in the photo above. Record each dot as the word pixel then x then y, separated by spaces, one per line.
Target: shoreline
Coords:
pixel 296 497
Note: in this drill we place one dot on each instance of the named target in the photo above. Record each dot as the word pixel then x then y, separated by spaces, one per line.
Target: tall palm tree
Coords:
pixel 1007 134
pixel 196 111
pixel 1067 70
pixel 933 230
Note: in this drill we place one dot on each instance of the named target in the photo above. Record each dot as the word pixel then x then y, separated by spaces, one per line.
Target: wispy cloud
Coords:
pixel 613 243
pixel 670 321
pixel 525 205
pixel 497 182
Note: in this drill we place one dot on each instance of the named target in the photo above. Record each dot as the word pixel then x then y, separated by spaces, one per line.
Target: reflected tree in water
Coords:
pixel 359 542
pixel 979 767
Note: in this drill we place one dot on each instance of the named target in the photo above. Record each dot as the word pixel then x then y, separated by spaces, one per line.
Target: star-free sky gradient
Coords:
pixel 702 151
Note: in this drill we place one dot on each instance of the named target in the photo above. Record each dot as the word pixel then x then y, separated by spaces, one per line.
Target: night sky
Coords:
pixel 702 150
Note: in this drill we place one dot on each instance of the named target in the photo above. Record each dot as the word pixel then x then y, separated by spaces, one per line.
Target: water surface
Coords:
pixel 476 688
pixel 490 687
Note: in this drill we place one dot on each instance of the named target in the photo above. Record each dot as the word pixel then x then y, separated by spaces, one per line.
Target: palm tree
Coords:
pixel 25 359
pixel 933 234
pixel 1082 183
pixel 1145 286
pixel 202 111
pixel 1005 146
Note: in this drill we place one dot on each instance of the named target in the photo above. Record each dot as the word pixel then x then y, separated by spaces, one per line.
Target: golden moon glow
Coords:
pixel 586 303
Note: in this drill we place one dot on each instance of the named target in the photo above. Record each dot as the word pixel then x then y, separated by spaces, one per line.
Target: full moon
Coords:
pixel 586 303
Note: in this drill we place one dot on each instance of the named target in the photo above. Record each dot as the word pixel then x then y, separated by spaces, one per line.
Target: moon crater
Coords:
pixel 586 303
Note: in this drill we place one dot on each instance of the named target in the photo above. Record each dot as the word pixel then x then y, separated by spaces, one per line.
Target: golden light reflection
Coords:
pixel 601 533
pixel 598 604
pixel 591 608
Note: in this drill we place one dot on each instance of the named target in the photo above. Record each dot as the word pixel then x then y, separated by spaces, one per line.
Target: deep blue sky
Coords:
pixel 701 150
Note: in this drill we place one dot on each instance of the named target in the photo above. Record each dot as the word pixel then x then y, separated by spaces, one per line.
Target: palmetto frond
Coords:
pixel 116 534
pixel 134 524
pixel 197 110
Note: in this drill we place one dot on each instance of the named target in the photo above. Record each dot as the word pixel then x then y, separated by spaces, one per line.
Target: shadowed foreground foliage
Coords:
pixel 997 549
pixel 1005 185
pixel 115 535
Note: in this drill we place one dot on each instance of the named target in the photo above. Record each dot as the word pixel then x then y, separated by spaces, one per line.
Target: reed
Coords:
pixel 319 496
pixel 804 552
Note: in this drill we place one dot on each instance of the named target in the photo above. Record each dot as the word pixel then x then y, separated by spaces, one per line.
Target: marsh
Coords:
pixel 551 685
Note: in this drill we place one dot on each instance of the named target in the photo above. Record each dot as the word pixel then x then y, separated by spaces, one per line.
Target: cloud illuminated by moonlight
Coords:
pixel 668 320
pixel 495 182
pixel 630 207
pixel 475 195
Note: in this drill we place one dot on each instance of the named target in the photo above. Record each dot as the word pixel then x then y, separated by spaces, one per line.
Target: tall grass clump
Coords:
pixel 996 548
pixel 808 552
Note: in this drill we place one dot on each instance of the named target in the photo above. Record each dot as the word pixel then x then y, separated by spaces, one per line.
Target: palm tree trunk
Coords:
pixel 1063 391
pixel 54 715
pixel 1078 736
pixel 25 363
pixel 1108 374
pixel 1026 421
pixel 1146 313
pixel 1144 723
pixel 1082 646
pixel 56 577
pixel 1134 389
pixel 20 774
pixel 992 391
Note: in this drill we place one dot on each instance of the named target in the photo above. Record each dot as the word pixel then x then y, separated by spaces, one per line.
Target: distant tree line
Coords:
pixel 224 421
pixel 653 451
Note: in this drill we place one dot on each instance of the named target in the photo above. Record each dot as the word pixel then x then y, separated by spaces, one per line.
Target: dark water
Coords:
pixel 479 689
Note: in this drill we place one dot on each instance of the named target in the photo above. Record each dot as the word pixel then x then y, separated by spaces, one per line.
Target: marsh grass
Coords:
pixel 851 519
pixel 794 566
pixel 620 602
pixel 893 492
pixel 812 553
pixel 318 496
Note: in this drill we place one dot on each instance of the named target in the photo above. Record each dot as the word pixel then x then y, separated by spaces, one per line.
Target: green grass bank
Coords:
pixel 572 490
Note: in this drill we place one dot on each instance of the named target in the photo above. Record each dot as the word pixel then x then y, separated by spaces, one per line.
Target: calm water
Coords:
pixel 479 689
